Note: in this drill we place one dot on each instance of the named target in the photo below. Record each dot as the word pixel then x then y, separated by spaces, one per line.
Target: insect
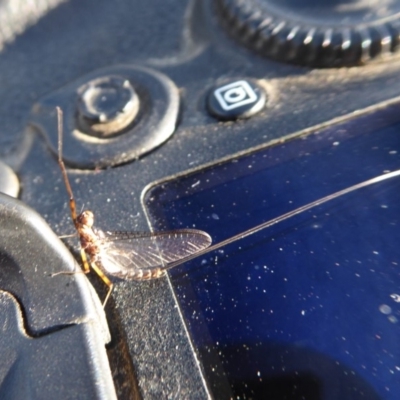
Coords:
pixel 127 255
pixel 147 255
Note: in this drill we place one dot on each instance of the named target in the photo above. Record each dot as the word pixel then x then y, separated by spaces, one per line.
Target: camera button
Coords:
pixel 236 99
pixel 107 105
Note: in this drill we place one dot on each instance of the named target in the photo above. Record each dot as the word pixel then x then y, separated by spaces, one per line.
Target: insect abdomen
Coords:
pixel 143 274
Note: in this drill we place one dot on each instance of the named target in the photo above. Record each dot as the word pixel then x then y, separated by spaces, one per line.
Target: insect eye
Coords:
pixel 86 218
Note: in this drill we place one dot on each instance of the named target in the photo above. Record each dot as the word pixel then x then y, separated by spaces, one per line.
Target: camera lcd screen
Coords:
pixel 308 308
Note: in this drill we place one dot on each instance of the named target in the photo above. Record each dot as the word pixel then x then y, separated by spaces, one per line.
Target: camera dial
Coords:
pixel 322 34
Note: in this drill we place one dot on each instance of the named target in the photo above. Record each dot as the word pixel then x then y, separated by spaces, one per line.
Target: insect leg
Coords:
pixel 68 236
pixel 86 267
pixel 85 262
pixel 106 281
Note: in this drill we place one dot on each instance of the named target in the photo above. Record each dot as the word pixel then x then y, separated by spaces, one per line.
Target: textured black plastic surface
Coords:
pixel 53 335
pixel 187 43
pixel 66 364
pixel 159 104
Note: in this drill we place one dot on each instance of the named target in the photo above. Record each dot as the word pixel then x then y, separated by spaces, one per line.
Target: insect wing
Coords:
pixel 123 254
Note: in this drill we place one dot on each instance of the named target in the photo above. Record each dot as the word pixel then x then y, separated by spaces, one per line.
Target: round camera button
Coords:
pixel 236 99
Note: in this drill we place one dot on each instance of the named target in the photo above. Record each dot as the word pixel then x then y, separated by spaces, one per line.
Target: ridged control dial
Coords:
pixel 329 33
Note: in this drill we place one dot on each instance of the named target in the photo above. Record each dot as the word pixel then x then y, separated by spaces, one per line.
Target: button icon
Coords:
pixel 237 99
pixel 235 95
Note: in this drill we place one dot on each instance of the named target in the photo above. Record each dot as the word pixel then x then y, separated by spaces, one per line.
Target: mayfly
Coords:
pixel 127 255
pixel 142 256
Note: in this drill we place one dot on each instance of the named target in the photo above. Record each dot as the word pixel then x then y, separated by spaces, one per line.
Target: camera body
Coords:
pixel 204 96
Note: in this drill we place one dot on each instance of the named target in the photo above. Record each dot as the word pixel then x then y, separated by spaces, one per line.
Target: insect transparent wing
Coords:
pixel 129 255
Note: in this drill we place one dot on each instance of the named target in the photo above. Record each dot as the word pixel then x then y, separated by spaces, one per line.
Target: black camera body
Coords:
pixel 149 91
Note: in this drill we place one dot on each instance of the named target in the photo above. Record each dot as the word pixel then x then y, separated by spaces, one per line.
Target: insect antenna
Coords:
pixel 72 203
pixel 72 206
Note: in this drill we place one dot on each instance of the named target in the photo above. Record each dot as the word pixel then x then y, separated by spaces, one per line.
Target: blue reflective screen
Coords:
pixel 308 308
